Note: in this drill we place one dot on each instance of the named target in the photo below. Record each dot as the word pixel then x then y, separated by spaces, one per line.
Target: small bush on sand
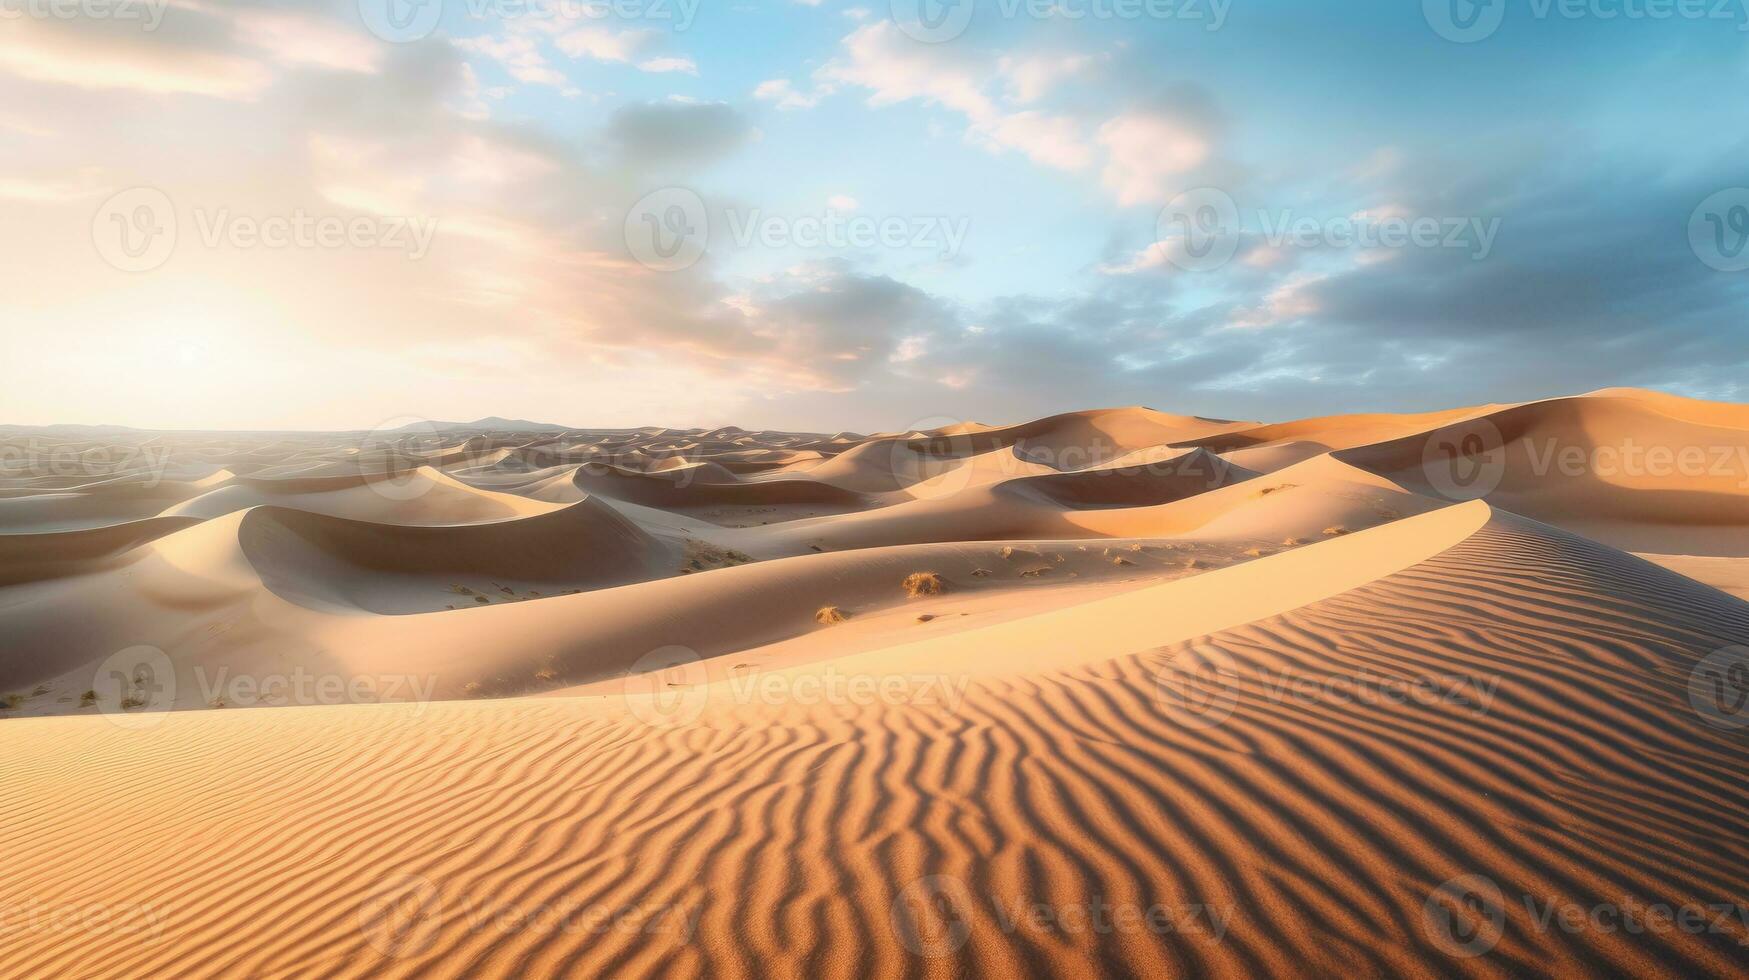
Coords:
pixel 546 675
pixel 87 699
pixel 1335 530
pixel 1121 560
pixel 830 615
pixel 922 583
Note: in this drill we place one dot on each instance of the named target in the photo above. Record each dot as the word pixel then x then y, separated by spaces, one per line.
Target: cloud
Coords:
pixel 661 65
pixel 191 53
pixel 1031 77
pixel 520 57
pixel 1147 154
pixel 784 93
pixel 603 44
pixel 674 134
pixel 896 69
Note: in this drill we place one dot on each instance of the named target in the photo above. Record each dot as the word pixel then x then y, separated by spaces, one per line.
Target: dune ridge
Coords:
pixel 1109 692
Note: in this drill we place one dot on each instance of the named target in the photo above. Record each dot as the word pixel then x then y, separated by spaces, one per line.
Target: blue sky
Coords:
pixel 1561 163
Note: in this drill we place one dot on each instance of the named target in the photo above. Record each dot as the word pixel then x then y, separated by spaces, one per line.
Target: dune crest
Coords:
pixel 1114 692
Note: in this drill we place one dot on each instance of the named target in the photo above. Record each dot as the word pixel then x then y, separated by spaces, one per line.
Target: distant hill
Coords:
pixel 489 424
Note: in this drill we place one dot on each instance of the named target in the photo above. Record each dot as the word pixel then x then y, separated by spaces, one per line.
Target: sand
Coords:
pixel 1115 692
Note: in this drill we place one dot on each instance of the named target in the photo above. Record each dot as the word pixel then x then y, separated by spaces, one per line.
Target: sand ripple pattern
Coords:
pixel 565 838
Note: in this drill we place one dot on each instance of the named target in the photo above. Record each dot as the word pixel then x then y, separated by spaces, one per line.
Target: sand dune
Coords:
pixel 1617 467
pixel 1106 693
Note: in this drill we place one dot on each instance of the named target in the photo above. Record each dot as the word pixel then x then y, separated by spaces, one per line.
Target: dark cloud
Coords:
pixel 672 136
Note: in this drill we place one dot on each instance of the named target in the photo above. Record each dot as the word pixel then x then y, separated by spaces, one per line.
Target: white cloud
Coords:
pixel 782 92
pixel 1030 78
pixel 602 44
pixel 1145 152
pixel 1052 141
pixel 662 65
pixel 895 69
pixel 519 56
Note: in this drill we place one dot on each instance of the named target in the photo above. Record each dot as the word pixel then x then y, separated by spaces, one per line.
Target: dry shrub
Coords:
pixel 923 583
pixel 829 615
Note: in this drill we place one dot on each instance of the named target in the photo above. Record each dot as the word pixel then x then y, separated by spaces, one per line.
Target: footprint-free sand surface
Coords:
pixel 1115 692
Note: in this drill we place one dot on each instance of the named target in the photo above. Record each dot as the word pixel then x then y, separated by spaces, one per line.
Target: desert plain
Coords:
pixel 1113 692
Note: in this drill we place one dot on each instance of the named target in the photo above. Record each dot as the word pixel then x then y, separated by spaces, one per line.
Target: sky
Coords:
pixel 862 214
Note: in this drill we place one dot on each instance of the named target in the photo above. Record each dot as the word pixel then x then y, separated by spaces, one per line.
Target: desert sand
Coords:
pixel 1463 693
